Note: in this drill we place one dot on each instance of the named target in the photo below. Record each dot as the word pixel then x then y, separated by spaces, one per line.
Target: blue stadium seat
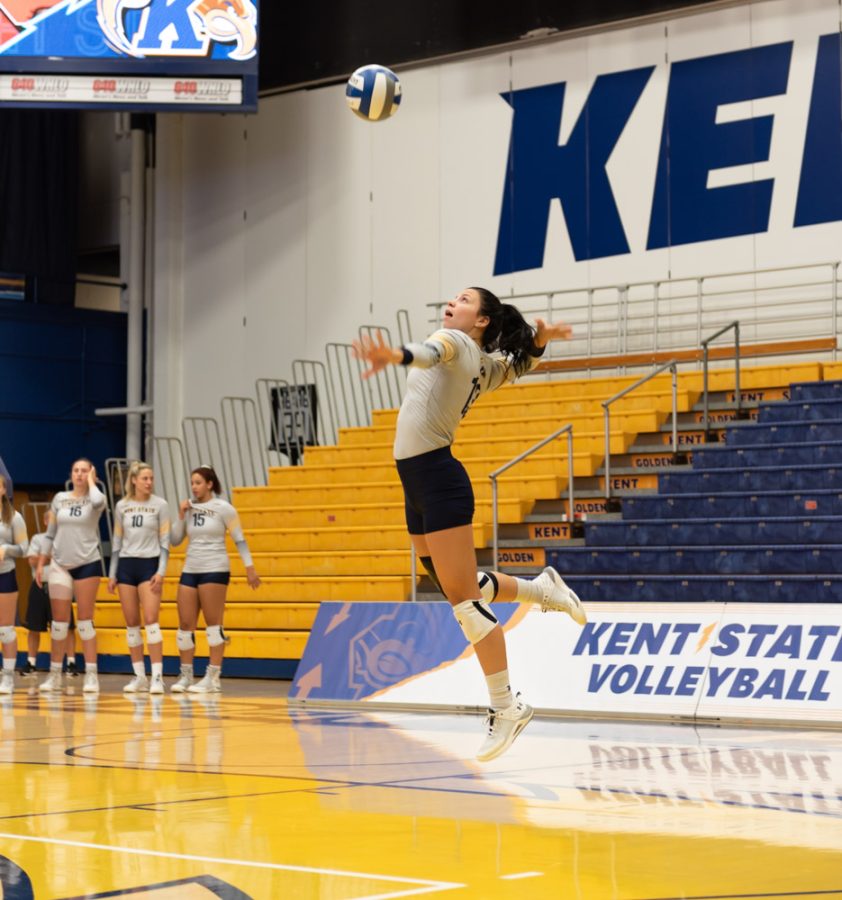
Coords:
pixel 802 430
pixel 738 504
pixel 816 390
pixel 724 457
pixel 751 480
pixel 812 410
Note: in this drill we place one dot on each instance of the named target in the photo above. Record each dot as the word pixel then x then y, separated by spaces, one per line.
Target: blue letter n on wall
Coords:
pixel 540 171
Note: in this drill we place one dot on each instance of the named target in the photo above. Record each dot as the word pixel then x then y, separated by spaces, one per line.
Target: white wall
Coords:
pixel 279 232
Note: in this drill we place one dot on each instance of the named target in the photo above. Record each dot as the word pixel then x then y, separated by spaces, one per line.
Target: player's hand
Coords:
pixel 182 509
pixel 156 582
pixel 39 574
pixel 2 552
pixel 376 352
pixel 92 476
pixel 112 585
pixel 252 578
pixel 553 331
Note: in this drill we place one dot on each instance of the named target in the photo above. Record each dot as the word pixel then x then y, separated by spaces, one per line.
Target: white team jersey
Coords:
pixel 141 530
pixel 73 532
pixel 449 371
pixel 13 540
pixel 205 525
pixel 37 547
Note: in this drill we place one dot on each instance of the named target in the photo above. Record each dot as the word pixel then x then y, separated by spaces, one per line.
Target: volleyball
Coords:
pixel 373 93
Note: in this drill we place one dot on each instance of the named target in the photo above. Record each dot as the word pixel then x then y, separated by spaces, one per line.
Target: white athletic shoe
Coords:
pixel 7 682
pixel 91 683
pixel 51 683
pixel 156 685
pixel 185 679
pixel 504 725
pixel 558 597
pixel 138 685
pixel 208 685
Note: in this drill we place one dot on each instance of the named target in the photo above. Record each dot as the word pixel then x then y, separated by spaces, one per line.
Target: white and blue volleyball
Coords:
pixel 373 93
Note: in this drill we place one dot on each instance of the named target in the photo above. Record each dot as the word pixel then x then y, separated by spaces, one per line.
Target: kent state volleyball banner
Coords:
pixel 729 661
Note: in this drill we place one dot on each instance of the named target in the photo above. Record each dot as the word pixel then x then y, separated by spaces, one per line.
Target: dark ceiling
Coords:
pixel 325 40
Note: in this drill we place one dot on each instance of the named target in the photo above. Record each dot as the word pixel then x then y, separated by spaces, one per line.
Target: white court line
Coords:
pixel 521 875
pixel 427 886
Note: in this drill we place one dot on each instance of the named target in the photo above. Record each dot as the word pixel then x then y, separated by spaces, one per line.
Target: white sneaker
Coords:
pixel 558 596
pixel 138 685
pixel 156 685
pixel 7 682
pixel 51 683
pixel 504 725
pixel 208 685
pixel 185 679
pixel 91 683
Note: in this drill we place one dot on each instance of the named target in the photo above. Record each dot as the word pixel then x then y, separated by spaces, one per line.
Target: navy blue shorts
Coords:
pixel 89 570
pixel 195 579
pixel 437 492
pixel 8 582
pixel 135 570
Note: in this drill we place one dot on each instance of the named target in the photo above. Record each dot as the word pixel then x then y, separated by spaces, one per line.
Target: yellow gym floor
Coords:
pixel 240 796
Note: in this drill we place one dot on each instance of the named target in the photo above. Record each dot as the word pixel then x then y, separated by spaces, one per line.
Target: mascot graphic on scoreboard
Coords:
pixel 138 28
pixel 224 21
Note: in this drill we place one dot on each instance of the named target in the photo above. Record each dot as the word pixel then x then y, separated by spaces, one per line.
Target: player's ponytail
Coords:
pixel 507 331
pixel 7 511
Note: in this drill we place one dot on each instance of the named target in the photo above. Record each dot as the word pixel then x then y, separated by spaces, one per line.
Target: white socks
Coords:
pixel 157 669
pixel 499 690
pixel 9 664
pixel 139 669
pixel 528 591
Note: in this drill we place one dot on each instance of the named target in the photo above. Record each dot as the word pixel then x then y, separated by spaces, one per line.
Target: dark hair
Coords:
pixel 507 331
pixel 7 511
pixel 210 476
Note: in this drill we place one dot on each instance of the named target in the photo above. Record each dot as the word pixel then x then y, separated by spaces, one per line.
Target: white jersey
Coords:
pixel 448 372
pixel 205 524
pixel 36 549
pixel 73 533
pixel 13 541
pixel 141 531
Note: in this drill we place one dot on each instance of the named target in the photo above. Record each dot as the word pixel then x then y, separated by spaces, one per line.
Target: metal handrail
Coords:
pixel 497 472
pixel 606 405
pixel 738 395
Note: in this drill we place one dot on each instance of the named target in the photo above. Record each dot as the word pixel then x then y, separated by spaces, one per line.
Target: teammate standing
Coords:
pixel 139 553
pixel 449 371
pixel 73 542
pixel 205 576
pixel 12 546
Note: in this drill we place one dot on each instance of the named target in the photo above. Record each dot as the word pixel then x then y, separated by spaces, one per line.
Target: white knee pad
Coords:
pixel 59 630
pixel 8 635
pixel 85 629
pixel 475 619
pixel 488 586
pixel 184 640
pixel 216 635
pixel 153 634
pixel 133 636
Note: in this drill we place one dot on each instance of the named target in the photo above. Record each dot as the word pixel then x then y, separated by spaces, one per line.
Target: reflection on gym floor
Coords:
pixel 240 796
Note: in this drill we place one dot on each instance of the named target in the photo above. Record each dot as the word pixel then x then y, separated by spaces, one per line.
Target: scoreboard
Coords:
pixel 155 55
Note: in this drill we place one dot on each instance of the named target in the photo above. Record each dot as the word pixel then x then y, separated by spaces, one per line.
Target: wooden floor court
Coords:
pixel 240 796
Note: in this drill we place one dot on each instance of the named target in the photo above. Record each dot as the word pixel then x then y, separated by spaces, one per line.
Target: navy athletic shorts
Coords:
pixel 8 582
pixel 89 570
pixel 196 579
pixel 134 570
pixel 437 492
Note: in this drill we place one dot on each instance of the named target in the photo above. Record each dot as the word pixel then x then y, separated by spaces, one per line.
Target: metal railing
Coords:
pixel 344 372
pixel 705 354
pixel 172 473
pixel 674 313
pixel 386 388
pixel 203 446
pixel 306 372
pixel 567 429
pixel 245 442
pixel 606 405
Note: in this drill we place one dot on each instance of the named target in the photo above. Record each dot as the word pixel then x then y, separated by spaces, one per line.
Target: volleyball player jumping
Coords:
pixel 448 372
